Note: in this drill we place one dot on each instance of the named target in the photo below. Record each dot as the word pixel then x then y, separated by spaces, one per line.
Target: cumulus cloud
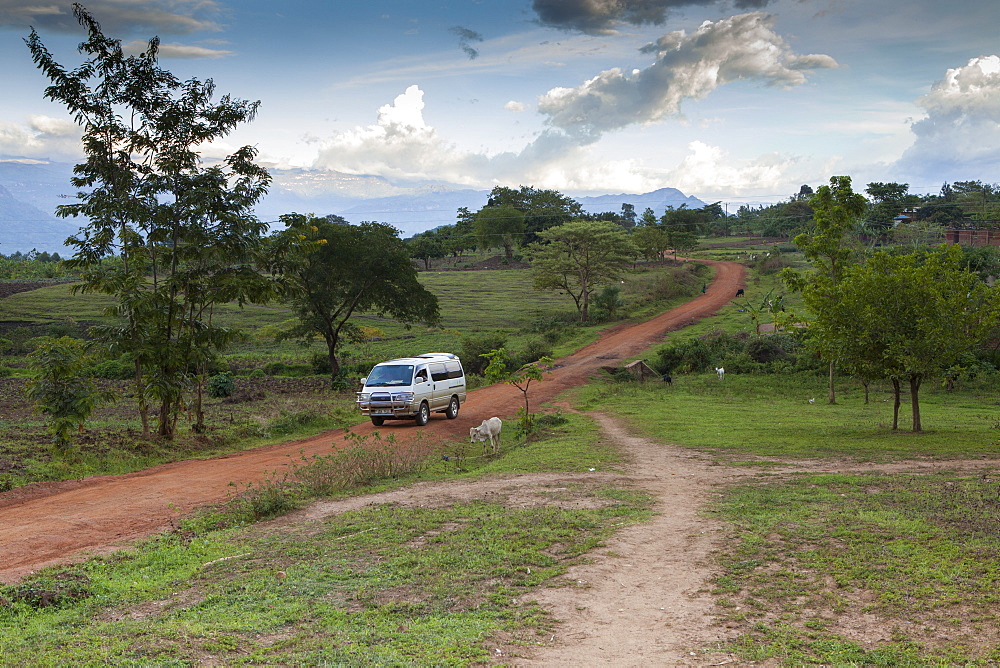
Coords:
pixel 961 132
pixel 515 106
pixel 401 146
pixel 465 36
pixel 115 16
pixel 687 66
pixel 710 170
pixel 42 137
pixel 599 17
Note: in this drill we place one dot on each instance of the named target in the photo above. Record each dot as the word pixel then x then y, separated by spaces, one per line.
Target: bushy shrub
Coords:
pixel 608 302
pixel 67 327
pixel 121 368
pixel 533 351
pixel 6 345
pixel 741 362
pixel 738 353
pixel 554 328
pixel 767 349
pixel 320 363
pixel 221 385
pixel 473 347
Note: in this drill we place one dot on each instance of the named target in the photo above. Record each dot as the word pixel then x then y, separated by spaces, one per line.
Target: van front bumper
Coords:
pixel 383 404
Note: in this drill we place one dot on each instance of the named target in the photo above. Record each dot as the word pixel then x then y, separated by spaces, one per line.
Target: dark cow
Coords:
pixel 739 293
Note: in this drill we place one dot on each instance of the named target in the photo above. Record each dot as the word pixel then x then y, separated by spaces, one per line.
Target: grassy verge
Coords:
pixel 864 570
pixel 439 584
pixel 838 569
pixel 770 416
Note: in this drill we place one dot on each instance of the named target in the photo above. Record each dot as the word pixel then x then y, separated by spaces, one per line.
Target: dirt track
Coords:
pixel 52 523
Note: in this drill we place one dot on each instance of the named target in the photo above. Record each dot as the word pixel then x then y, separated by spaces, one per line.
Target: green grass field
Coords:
pixel 745 416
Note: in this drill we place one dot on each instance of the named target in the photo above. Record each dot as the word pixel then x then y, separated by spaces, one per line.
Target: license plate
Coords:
pixel 382 412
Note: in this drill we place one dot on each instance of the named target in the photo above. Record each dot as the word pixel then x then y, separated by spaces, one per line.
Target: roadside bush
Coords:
pixel 553 328
pixel 739 353
pixel 473 347
pixel 741 362
pixel 767 349
pixel 683 357
pixel 535 350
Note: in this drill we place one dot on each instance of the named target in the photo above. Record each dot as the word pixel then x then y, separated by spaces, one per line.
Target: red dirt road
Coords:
pixel 52 523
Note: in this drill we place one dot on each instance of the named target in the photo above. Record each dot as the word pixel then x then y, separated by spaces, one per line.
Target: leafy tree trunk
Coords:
pixel 140 391
pixel 833 396
pixel 165 429
pixel 915 380
pixel 508 250
pixel 199 412
pixel 895 404
pixel 866 383
pixel 334 363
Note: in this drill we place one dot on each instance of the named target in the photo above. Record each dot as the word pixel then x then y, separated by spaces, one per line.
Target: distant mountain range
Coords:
pixel 30 191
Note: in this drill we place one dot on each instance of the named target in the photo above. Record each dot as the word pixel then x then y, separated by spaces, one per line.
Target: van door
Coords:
pixel 423 387
pixel 442 389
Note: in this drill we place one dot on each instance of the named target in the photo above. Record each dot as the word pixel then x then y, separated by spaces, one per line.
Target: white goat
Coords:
pixel 721 371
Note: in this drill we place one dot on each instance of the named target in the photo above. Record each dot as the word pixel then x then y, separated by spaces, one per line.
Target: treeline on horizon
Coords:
pixel 514 217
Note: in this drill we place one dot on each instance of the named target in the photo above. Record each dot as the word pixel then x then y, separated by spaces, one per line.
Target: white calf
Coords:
pixel 489 429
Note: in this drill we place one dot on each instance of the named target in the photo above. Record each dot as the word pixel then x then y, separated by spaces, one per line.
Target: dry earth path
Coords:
pixel 50 523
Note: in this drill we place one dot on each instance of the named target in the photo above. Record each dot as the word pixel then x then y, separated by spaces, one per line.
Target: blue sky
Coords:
pixel 732 101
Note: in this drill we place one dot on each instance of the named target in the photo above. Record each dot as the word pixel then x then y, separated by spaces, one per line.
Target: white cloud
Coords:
pixel 743 47
pixel 513 105
pixel 115 16
pixel 710 170
pixel 41 137
pixel 169 50
pixel 398 145
pixel 961 133
pixel 401 146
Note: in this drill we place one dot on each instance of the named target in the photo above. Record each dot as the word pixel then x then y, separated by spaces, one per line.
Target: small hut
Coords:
pixel 642 371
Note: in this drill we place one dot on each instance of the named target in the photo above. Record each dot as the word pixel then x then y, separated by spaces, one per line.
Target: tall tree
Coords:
pixel 578 257
pixel 426 246
pixel 330 270
pixel 542 209
pixel 183 233
pixel 887 201
pixel 836 209
pixel 500 225
pixel 906 318
pixel 650 241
